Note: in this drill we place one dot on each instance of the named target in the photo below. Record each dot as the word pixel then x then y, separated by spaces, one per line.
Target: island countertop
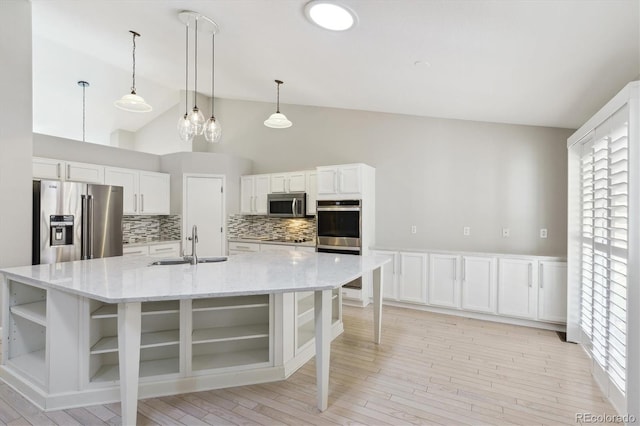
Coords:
pixel 131 279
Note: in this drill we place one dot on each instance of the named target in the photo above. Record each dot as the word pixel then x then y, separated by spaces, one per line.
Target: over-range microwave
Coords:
pixel 293 204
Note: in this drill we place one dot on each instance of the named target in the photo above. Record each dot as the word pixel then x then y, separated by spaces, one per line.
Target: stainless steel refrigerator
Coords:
pixel 75 221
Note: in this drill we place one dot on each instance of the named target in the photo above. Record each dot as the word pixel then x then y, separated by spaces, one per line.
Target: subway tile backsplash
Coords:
pixel 241 226
pixel 140 229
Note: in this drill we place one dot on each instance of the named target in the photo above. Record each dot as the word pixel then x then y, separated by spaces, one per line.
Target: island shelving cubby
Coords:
pixel 304 314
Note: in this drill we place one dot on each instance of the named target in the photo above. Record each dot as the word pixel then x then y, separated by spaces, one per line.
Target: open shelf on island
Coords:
pixel 35 312
pixel 230 302
pixel 230 359
pixel 223 334
pixel 31 364
pixel 110 310
pixel 147 340
pixel 156 367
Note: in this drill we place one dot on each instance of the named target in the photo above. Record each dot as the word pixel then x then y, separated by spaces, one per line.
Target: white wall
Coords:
pixel 437 174
pixel 15 133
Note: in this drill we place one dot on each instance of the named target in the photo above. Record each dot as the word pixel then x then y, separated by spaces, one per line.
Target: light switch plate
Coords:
pixel 505 232
pixel 466 231
pixel 543 232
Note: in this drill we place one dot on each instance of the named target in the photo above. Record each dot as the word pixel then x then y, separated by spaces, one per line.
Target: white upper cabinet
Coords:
pixel 552 291
pixel 312 192
pixel 444 288
pixel 517 288
pixel 253 193
pixel 479 284
pixel 47 168
pixel 145 193
pixel 288 182
pixel 345 181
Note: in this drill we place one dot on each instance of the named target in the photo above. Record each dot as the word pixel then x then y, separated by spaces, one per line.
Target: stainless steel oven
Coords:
pixel 339 229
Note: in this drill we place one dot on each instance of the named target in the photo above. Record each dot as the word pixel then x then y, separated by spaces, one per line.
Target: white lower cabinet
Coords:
pixel 479 284
pixel 389 284
pixel 444 287
pixel 518 287
pixel 168 249
pixel 552 291
pixel 239 248
pixel 412 278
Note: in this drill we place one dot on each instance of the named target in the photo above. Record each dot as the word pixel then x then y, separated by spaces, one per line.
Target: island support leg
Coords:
pixel 322 311
pixel 129 328
pixel 377 304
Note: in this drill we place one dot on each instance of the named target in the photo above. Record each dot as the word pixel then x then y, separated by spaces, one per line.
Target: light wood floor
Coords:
pixel 430 369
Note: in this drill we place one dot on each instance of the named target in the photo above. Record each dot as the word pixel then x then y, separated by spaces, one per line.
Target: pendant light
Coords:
pixel 84 85
pixel 212 128
pixel 277 120
pixel 184 125
pixel 195 116
pixel 132 102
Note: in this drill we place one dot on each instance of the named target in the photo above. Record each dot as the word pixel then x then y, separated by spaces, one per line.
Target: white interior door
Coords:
pixel 204 207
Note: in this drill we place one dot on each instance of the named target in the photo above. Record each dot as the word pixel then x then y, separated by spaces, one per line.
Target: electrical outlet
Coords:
pixel 505 232
pixel 414 229
pixel 543 232
pixel 466 231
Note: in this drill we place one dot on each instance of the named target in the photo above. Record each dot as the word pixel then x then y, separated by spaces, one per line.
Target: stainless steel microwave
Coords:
pixel 293 204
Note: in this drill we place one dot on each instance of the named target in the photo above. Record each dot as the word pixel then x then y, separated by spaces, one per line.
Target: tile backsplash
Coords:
pixel 140 229
pixel 239 226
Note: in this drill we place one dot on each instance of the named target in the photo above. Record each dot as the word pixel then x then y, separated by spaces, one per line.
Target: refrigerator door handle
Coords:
pixel 85 228
pixel 90 225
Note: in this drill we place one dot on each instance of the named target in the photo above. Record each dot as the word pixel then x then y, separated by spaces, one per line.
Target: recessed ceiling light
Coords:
pixel 330 15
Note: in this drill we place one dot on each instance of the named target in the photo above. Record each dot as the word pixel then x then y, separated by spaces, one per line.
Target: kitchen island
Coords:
pixel 103 330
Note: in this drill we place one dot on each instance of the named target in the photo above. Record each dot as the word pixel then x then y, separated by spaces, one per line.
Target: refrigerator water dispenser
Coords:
pixel 61 228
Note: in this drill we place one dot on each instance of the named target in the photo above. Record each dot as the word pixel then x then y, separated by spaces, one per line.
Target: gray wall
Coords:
pixel 437 174
pixel 84 152
pixel 15 133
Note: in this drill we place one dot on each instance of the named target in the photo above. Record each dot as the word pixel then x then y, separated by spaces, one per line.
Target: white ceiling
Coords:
pixel 535 62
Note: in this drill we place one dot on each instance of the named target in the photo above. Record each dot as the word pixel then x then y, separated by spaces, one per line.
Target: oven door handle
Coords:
pixel 347 248
pixel 338 209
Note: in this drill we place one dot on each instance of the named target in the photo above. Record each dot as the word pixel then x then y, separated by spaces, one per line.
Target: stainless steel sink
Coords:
pixel 182 261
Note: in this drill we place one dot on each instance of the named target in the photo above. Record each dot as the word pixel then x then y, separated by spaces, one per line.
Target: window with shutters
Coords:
pixel 604 185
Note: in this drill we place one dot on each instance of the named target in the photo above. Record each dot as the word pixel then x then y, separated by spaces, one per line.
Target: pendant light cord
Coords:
pixel 195 80
pixel 186 74
pixel 83 112
pixel 213 68
pixel 133 88
pixel 278 97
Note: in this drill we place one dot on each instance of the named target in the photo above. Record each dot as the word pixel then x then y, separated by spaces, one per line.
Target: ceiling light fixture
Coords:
pixel 196 117
pixel 277 120
pixel 212 128
pixel 330 15
pixel 184 125
pixel 132 102
pixel 84 85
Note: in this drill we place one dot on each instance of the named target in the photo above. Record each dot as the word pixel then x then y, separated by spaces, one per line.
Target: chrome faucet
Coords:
pixel 193 259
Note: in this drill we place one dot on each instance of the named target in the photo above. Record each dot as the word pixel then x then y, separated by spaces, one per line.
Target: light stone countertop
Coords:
pixel 130 279
pixel 468 253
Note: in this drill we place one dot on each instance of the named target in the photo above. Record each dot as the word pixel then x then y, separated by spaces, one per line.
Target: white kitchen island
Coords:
pixel 103 330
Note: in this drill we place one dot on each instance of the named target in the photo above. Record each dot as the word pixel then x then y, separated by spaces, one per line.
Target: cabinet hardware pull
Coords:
pixel 540 276
pixel 464 269
pixel 142 203
pixel 135 202
pixel 455 272
pixel 58 170
pixel 164 249
pixel 68 171
pixel 530 275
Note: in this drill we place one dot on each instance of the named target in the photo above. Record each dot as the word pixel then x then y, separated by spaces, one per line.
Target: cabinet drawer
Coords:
pixel 135 251
pixel 244 247
pixel 166 250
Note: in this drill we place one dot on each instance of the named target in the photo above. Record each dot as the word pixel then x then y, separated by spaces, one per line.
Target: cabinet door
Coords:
pixel 552 292
pixel 389 287
pixel 517 288
pixel 128 180
pixel 443 281
pixel 478 284
pixel 327 180
pixel 278 183
pixel 276 247
pixel 412 283
pixel 312 192
pixel 135 251
pixel 164 250
pixel 297 182
pixel 350 180
pixel 46 168
pixel 261 189
pixel 247 199
pixel 154 193
pixel 84 172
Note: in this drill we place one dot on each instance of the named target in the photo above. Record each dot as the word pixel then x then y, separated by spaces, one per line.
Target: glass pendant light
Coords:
pixel 132 102
pixel 212 128
pixel 277 120
pixel 84 85
pixel 184 125
pixel 196 118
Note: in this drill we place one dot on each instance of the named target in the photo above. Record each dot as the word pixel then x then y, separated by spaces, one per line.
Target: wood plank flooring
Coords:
pixel 430 369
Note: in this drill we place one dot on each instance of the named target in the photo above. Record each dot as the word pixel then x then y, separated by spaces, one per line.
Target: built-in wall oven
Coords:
pixel 339 229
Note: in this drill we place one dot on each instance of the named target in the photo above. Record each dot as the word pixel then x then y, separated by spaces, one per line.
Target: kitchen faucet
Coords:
pixel 193 259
